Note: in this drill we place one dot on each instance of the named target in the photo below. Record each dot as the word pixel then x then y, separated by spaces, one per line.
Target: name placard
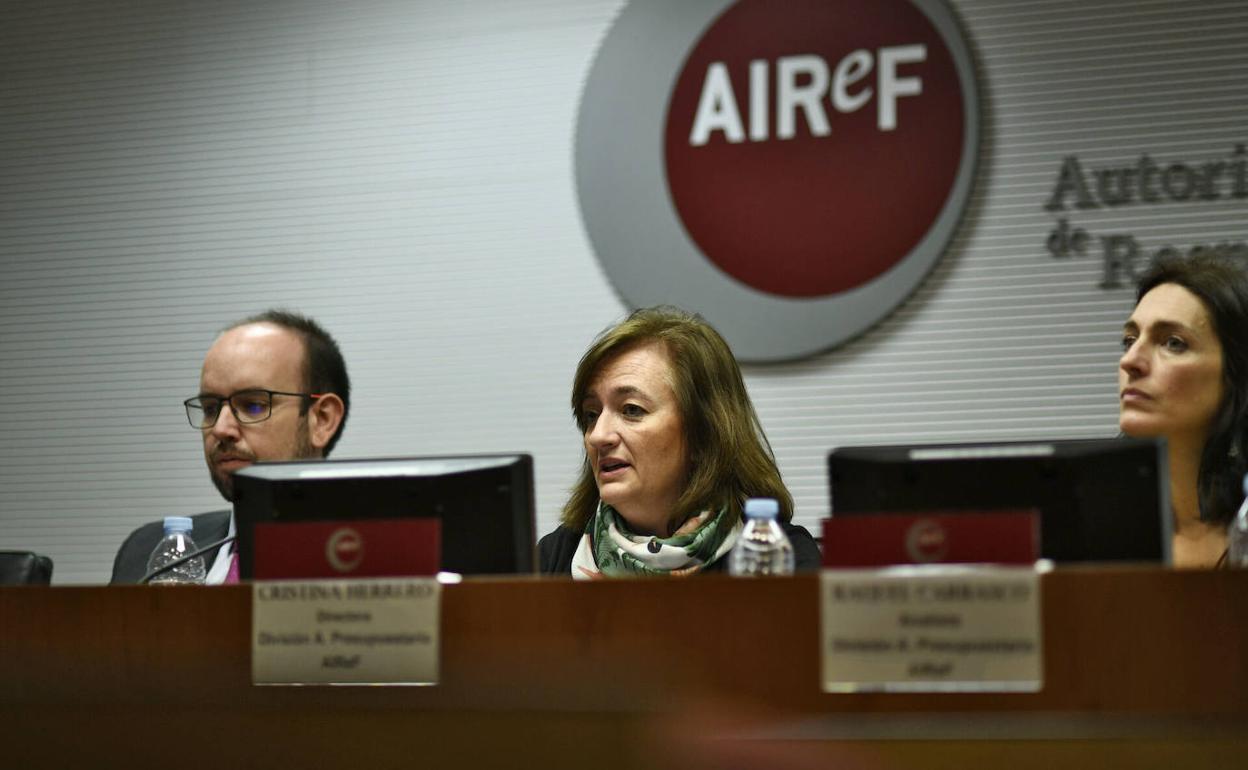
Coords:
pixel 382 631
pixel 934 628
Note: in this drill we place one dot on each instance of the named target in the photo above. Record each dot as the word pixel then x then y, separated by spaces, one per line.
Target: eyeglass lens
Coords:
pixel 248 406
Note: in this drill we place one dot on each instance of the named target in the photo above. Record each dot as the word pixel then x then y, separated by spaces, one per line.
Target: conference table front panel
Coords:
pixel 1143 665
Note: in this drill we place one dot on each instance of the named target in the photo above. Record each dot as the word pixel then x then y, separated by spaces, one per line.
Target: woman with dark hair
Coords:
pixel 673 448
pixel 1184 375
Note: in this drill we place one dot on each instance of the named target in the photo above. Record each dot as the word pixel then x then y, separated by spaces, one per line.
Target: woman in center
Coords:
pixel 673 448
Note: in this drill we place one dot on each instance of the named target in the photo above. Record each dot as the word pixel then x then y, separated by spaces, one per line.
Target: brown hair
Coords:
pixel 729 456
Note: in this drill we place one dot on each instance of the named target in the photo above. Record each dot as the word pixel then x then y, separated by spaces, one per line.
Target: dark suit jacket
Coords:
pixel 131 563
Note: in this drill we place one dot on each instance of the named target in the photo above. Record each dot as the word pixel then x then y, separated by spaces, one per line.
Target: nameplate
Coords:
pixel 936 628
pixel 345 632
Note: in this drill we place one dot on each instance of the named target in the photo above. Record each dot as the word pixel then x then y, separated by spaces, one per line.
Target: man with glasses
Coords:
pixel 273 387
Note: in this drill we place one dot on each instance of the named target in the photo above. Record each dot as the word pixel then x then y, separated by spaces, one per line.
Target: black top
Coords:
pixel 555 551
pixel 130 565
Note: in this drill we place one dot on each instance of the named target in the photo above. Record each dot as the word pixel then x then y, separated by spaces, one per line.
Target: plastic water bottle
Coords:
pixel 174 545
pixel 763 548
pixel 1237 535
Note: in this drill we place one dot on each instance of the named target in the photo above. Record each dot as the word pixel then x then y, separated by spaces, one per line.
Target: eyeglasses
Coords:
pixel 248 406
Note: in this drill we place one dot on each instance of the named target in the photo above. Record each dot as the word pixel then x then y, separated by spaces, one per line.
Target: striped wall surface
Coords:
pixel 403 172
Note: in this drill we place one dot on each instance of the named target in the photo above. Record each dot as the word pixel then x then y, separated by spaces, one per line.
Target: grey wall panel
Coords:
pixel 402 171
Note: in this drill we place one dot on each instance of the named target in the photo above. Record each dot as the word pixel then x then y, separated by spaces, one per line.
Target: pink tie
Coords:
pixel 232 575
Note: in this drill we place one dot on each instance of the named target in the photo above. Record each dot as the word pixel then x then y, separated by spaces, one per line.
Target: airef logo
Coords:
pixel 926 541
pixel 791 170
pixel 344 550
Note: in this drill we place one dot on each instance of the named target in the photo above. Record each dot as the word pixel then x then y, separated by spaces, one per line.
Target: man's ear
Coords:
pixel 324 417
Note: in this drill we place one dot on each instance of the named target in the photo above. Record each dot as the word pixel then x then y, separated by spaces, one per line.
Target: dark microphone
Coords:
pixel 182 560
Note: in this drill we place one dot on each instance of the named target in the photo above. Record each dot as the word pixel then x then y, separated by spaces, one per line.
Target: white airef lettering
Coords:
pixel 801 84
pixel 790 96
pixel 892 86
pixel 850 70
pixel 717 108
pixel 759 94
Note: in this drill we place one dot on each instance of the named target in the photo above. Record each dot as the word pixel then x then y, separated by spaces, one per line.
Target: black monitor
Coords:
pixel 484 502
pixel 1099 499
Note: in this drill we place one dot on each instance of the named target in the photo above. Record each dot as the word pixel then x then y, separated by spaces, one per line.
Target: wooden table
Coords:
pixel 1143 667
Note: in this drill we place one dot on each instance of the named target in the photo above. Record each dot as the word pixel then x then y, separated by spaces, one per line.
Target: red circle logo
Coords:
pixel 344 550
pixel 808 152
pixel 926 541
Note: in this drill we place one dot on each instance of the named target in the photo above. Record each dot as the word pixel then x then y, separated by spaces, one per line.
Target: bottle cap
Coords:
pixel 761 508
pixel 177 524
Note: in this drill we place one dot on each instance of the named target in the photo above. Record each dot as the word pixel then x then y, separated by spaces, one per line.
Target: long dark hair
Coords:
pixel 1221 284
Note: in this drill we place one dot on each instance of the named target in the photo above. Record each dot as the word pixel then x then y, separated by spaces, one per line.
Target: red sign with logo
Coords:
pixel 976 537
pixel 790 170
pixel 809 148
pixel 347 549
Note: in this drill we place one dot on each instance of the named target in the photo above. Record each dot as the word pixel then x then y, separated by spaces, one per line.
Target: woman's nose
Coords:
pixel 602 432
pixel 1133 360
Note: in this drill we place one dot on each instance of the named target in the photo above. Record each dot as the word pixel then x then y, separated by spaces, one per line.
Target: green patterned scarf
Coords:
pixel 618 552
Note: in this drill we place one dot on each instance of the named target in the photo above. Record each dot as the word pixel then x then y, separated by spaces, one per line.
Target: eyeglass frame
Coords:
pixel 308 397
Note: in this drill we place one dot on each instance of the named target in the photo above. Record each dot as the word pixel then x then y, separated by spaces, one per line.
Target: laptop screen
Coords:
pixel 1099 499
pixel 484 503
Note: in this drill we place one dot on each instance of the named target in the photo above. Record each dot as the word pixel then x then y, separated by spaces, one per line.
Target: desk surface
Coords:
pixel 550 667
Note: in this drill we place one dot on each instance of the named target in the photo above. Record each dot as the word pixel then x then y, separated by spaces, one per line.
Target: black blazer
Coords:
pixel 130 565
